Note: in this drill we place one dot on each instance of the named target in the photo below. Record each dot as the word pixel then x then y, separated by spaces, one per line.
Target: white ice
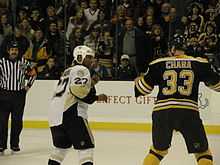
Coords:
pixel 112 148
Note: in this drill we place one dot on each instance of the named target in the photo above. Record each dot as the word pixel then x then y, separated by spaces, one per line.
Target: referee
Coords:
pixel 13 87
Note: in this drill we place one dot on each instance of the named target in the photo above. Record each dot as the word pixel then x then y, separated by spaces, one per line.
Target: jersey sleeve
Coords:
pixel 80 81
pixel 144 84
pixel 91 97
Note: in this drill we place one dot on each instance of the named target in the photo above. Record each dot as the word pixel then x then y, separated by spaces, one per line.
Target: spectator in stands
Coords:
pixel 37 52
pixel 209 38
pixel 43 5
pixel 50 70
pixel 125 71
pixel 105 6
pixel 141 24
pixel 101 70
pixel 105 50
pixel 194 48
pixel 149 21
pixel 192 30
pixel 195 15
pixel 36 19
pixel 164 19
pixel 118 20
pixel 92 39
pixel 22 14
pixel 98 12
pixel 134 43
pixel 60 26
pixel 175 22
pixel 19 38
pixel 83 5
pixel 4 4
pixel 5 25
pixel 210 15
pixel 157 4
pixel 25 3
pixel 76 21
pixel 75 38
pixel 128 7
pixel 149 11
pixel 55 44
pixel 159 42
pixel 50 17
pixel 138 9
pixel 183 26
pixel 91 13
pixel 51 14
pixel 102 22
pixel 26 29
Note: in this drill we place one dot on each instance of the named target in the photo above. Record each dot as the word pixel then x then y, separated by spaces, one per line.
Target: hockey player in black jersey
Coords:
pixel 68 109
pixel 178 78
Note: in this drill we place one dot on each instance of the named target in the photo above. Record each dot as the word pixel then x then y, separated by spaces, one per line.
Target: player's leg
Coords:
pixel 204 158
pixel 154 156
pixel 83 141
pixel 195 137
pixel 86 156
pixel 161 135
pixel 61 144
pixel 57 156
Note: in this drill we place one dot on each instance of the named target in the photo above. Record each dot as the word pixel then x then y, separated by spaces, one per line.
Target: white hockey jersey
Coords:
pixel 73 84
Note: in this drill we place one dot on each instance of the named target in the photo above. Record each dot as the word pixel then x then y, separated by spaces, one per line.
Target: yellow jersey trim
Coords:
pixel 180 57
pixel 140 89
pixel 175 107
pixel 143 88
pixel 215 87
pixel 145 84
pixel 178 100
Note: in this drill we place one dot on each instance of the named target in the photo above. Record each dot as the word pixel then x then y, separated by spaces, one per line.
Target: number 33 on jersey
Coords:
pixel 178 79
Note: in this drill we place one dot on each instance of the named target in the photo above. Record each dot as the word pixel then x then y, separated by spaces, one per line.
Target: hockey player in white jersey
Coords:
pixel 68 109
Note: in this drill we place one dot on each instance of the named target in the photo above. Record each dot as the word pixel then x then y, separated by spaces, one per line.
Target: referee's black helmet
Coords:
pixel 13 44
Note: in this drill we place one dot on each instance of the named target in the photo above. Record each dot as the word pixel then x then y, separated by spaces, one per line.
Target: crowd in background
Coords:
pixel 125 34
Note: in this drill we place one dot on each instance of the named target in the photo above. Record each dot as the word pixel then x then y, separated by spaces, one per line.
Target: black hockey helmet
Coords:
pixel 13 44
pixel 178 42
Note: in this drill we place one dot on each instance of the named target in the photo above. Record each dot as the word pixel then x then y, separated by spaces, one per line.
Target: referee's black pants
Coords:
pixel 12 104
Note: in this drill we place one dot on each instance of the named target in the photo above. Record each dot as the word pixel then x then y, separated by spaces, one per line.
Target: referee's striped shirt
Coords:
pixel 14 73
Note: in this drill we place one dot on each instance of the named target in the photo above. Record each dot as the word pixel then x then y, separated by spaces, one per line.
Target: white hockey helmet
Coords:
pixel 80 52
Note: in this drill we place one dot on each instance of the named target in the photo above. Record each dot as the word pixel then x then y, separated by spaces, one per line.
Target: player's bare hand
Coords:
pixel 102 97
pixel 95 79
pixel 27 88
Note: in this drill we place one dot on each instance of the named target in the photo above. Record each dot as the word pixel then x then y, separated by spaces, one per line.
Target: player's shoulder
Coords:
pixel 179 58
pixel 79 70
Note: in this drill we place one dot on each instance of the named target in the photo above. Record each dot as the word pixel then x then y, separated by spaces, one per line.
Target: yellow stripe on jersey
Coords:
pixel 178 100
pixel 175 107
pixel 145 84
pixel 176 103
pixel 139 88
pixel 143 88
pixel 180 57
pixel 215 87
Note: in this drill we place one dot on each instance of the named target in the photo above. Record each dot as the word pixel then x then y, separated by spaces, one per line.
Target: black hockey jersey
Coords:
pixel 178 80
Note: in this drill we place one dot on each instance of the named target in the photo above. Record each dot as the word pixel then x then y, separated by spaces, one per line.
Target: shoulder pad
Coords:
pixel 80 81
